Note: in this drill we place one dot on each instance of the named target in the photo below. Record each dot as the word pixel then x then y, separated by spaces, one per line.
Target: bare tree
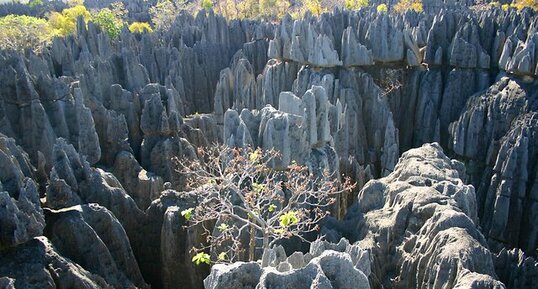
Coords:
pixel 240 190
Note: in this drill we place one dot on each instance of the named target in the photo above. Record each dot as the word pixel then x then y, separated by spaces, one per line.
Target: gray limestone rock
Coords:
pixel 385 40
pixel 354 53
pixel 331 269
pixel 426 217
pixel 484 119
pixel 510 209
pixel 516 269
pixel 206 125
pixel 465 49
pixel 520 58
pixel 37 264
pixel 238 275
pixel 21 218
pixel 143 186
pixel 122 105
pixel 7 283
pixel 236 87
pixel 161 127
pixel 93 238
pixel 277 77
pixel 168 238
pixel 359 257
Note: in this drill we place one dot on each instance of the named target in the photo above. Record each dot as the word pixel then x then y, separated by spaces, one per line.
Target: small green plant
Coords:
pixel 223 227
pixel 254 156
pixel 222 256
pixel 288 219
pixel 271 208
pixel 258 188
pixel 187 213
pixel 201 258
pixel 382 8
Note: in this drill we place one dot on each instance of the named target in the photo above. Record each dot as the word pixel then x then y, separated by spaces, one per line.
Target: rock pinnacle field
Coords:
pixel 269 144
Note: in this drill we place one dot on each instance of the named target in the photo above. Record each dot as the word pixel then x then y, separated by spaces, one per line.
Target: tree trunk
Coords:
pixel 265 240
pixel 252 245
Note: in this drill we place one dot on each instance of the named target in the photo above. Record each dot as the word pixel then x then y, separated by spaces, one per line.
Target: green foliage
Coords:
pixel 273 9
pixel 35 3
pixel 406 5
pixel 73 3
pixel 517 4
pixel 109 22
pixel 272 208
pixel 315 7
pixel 522 4
pixel 207 4
pixel 288 219
pixel 223 227
pixel 187 213
pixel 140 27
pixel 164 13
pixel 382 8
pixel 20 32
pixel 201 258
pixel 279 231
pixel 254 156
pixel 252 9
pixel 355 4
pixel 239 189
pixel 222 256
pixel 258 188
pixel 64 23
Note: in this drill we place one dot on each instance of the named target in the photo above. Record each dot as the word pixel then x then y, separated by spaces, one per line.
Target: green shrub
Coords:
pixel 355 4
pixel 20 32
pixel 109 22
pixel 406 5
pixel 164 13
pixel 315 6
pixel 207 4
pixel 65 22
pixel 140 27
pixel 521 4
pixel 35 3
pixel 382 8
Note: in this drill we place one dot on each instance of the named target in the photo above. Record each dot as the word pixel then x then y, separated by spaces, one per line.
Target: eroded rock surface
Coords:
pixel 325 266
pixel 92 126
pixel 37 264
pixel 420 225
